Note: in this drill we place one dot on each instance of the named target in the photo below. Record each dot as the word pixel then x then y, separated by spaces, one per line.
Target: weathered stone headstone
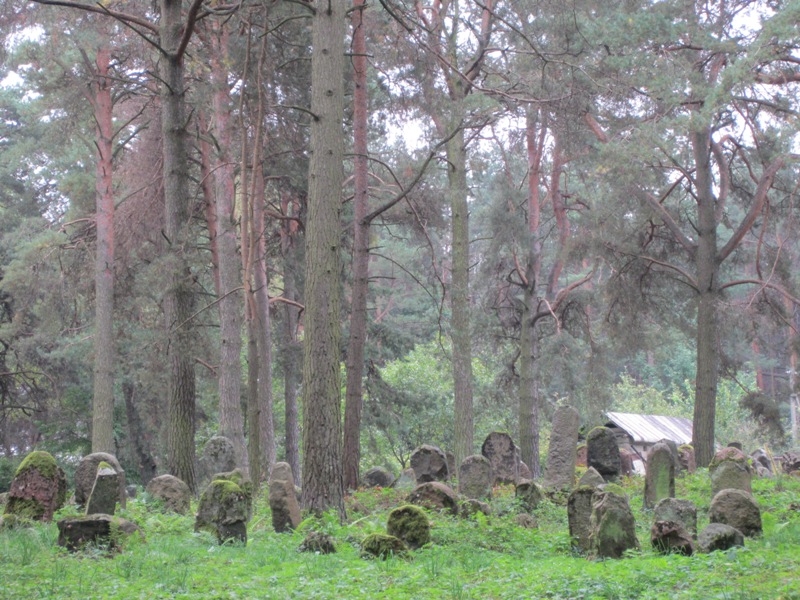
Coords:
pixel 429 464
pixel 318 542
pixel 673 449
pixel 729 469
pixel 223 510
pixel 686 458
pixel 579 516
pixel 378 477
pixel 562 454
pixel 410 524
pixel 86 473
pixel 602 453
pixel 737 509
pixel 475 477
pixel 219 456
pixel 173 493
pixel 529 494
pixel 383 546
pixel 501 451
pixel 406 481
pixel 75 533
pixel 283 499
pixel 434 495
pixel 39 488
pixel 581 458
pixel 471 506
pixel 677 510
pixel 591 477
pixel 612 523
pixel 668 537
pixel 626 458
pixel 718 536
pixel 105 493
pixel 131 491
pixel 659 482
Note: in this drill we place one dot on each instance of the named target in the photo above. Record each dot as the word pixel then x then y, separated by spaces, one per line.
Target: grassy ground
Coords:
pixel 476 558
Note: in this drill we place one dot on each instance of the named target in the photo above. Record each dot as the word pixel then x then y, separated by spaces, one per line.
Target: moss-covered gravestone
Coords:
pixel 528 494
pixel 86 474
pixel 718 536
pixel 105 493
pixel 410 524
pixel 39 488
pixel 613 529
pixel 602 453
pixel 383 546
pixel 74 533
pixel 659 481
pixel 579 516
pixel 224 510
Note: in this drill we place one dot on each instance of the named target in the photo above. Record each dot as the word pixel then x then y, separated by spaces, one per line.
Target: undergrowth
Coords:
pixel 474 558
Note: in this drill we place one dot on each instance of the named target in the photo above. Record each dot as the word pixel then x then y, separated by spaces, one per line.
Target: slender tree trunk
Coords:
pixel 291 354
pixel 358 314
pixel 323 483
pixel 231 423
pixel 707 303
pixel 103 402
pixel 459 297
pixel 253 407
pixel 178 294
pixel 137 435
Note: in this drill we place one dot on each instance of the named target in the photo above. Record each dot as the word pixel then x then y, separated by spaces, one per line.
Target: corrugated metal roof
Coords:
pixel 650 429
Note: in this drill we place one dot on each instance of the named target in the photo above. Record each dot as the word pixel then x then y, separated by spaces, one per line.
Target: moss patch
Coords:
pixel 383 546
pixel 40 461
pixel 410 524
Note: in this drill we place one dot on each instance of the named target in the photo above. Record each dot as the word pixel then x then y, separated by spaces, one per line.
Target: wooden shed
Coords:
pixel 637 433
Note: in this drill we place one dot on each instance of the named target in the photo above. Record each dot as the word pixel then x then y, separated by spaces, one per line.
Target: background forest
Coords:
pixel 535 204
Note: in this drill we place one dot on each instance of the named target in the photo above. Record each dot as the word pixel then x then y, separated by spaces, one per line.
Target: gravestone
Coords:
pixel 626 458
pixel 673 449
pixel 737 509
pixel 409 524
pixel 223 510
pixel 219 456
pixel 528 494
pixel 613 529
pixel 659 482
pixel 283 499
pixel 435 495
pixel 378 477
pixel 729 469
pixel 86 473
pixel 74 533
pixel 318 542
pixel 406 481
pixel 173 493
pixel 592 478
pixel 668 537
pixel 501 451
pixel 602 453
pixel 579 516
pixel 429 464
pixel 686 458
pixel 718 536
pixel 562 455
pixel 379 545
pixel 39 488
pixel 105 493
pixel 581 457
pixel 677 510
pixel 475 477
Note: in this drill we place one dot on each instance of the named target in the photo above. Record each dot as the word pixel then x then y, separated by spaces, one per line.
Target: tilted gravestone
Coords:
pixel 602 453
pixel 283 499
pixel 579 516
pixel 718 536
pixel 501 451
pixel 224 510
pixel 429 464
pixel 659 481
pixel 613 529
pixel 563 452
pixel 475 477
pixel 105 493
pixel 86 473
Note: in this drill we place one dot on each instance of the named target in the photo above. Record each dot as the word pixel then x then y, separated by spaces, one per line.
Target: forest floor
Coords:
pixel 475 558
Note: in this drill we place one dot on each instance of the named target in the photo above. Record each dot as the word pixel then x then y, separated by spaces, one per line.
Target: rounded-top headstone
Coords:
pixel 613 528
pixel 39 488
pixel 435 495
pixel 378 477
pixel 729 469
pixel 737 509
pixel 718 536
pixel 429 464
pixel 219 456
pixel 173 493
pixel 562 455
pixel 501 451
pixel 86 473
pixel 677 510
pixel 602 452
pixel 281 471
pixel 659 482
pixel 475 477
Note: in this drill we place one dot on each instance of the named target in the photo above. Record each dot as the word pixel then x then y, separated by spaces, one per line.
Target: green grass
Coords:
pixel 478 558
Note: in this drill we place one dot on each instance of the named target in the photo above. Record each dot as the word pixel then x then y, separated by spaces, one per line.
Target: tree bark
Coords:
pixel 103 400
pixel 358 309
pixel 178 294
pixel 323 484
pixel 138 436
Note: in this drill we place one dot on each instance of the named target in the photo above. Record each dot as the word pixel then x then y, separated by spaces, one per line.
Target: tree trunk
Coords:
pixel 358 310
pixel 707 303
pixel 291 354
pixel 231 424
pixel 137 435
pixel 459 297
pixel 323 484
pixel 178 294
pixel 103 401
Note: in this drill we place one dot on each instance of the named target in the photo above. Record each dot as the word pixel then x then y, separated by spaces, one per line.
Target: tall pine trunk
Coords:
pixel 358 308
pixel 323 483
